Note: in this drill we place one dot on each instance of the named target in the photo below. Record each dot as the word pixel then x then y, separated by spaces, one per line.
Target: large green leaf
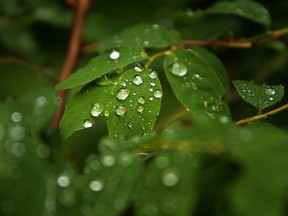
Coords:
pixel 245 8
pixel 260 96
pixel 135 102
pixel 143 35
pixel 103 64
pixel 195 83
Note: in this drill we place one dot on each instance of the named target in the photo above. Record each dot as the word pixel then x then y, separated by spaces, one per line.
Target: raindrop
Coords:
pixel 224 119
pixel 123 84
pixel 146 43
pixel 130 125
pixel 106 113
pixel 16 117
pixel 140 109
pixel 137 80
pixel 87 123
pixel 63 181
pixel 125 159
pixel 197 76
pixel 270 91
pixel 139 67
pixel 162 162
pixel 141 100
pixel 17 133
pixel 270 98
pixel 122 94
pixel 43 151
pixel 108 160
pixel 151 89
pixel 151 98
pixel 153 75
pixel 41 101
pixel 97 109
pixel 114 54
pixel 96 185
pixel 18 149
pixel 178 69
pixel 170 179
pixel 121 110
pixel 152 83
pixel 158 93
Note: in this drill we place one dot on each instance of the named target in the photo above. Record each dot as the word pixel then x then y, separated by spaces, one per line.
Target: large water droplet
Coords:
pixel 158 93
pixel 139 67
pixel 122 94
pixel 178 69
pixel 137 80
pixel 170 179
pixel 96 185
pixel 141 100
pixel 63 181
pixel 270 91
pixel 140 109
pixel 114 54
pixel 121 110
pixel 153 75
pixel 87 123
pixel 97 109
pixel 16 117
pixel 108 160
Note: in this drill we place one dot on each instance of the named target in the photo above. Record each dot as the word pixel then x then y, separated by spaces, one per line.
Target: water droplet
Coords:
pixel 130 125
pixel 123 84
pixel 125 159
pixel 158 93
pixel 106 113
pixel 178 69
pixel 162 162
pixel 139 67
pixel 108 160
pixel 140 109
pixel 224 119
pixel 17 133
pixel 141 100
pixel 96 185
pixel 43 151
pixel 146 43
pixel 87 123
pixel 16 117
pixel 137 80
pixel 41 101
pixel 18 149
pixel 270 98
pixel 151 98
pixel 121 110
pixel 153 75
pixel 63 181
pixel 114 54
pixel 270 91
pixel 122 94
pixel 152 83
pixel 197 76
pixel 170 179
pixel 97 109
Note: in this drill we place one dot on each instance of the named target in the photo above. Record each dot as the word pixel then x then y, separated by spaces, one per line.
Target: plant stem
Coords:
pixel 81 6
pixel 232 44
pixel 262 116
pixel 157 55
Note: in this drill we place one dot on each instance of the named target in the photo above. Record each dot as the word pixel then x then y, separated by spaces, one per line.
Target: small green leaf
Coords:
pixel 135 102
pixel 84 109
pixel 195 83
pixel 103 64
pixel 143 35
pixel 245 8
pixel 259 96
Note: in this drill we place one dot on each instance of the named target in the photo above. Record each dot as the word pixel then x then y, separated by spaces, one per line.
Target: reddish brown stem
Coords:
pixel 71 59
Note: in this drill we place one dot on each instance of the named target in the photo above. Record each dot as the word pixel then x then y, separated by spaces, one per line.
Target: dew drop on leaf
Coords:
pixel 114 54
pixel 270 91
pixel 170 179
pixel 108 160
pixel 270 98
pixel 121 110
pixel 63 181
pixel 152 83
pixel 140 109
pixel 178 69
pixel 87 123
pixel 97 109
pixel 162 162
pixel 153 75
pixel 137 80
pixel 197 76
pixel 106 113
pixel 139 67
pixel 122 94
pixel 96 185
pixel 130 125
pixel 16 117
pixel 158 94
pixel 141 100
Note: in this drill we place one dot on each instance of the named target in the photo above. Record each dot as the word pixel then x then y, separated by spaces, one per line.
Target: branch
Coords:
pixel 72 55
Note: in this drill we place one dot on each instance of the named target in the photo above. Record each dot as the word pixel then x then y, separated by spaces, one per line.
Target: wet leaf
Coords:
pixel 245 8
pixel 195 82
pixel 135 102
pixel 106 62
pixel 259 96
pixel 143 35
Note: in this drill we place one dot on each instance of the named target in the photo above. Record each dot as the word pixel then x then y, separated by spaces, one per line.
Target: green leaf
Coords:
pixel 103 64
pixel 262 155
pixel 245 8
pixel 195 83
pixel 143 35
pixel 259 96
pixel 135 102
pixel 77 114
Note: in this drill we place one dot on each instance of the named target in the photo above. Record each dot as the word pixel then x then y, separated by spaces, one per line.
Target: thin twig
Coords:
pixel 232 44
pixel 72 55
